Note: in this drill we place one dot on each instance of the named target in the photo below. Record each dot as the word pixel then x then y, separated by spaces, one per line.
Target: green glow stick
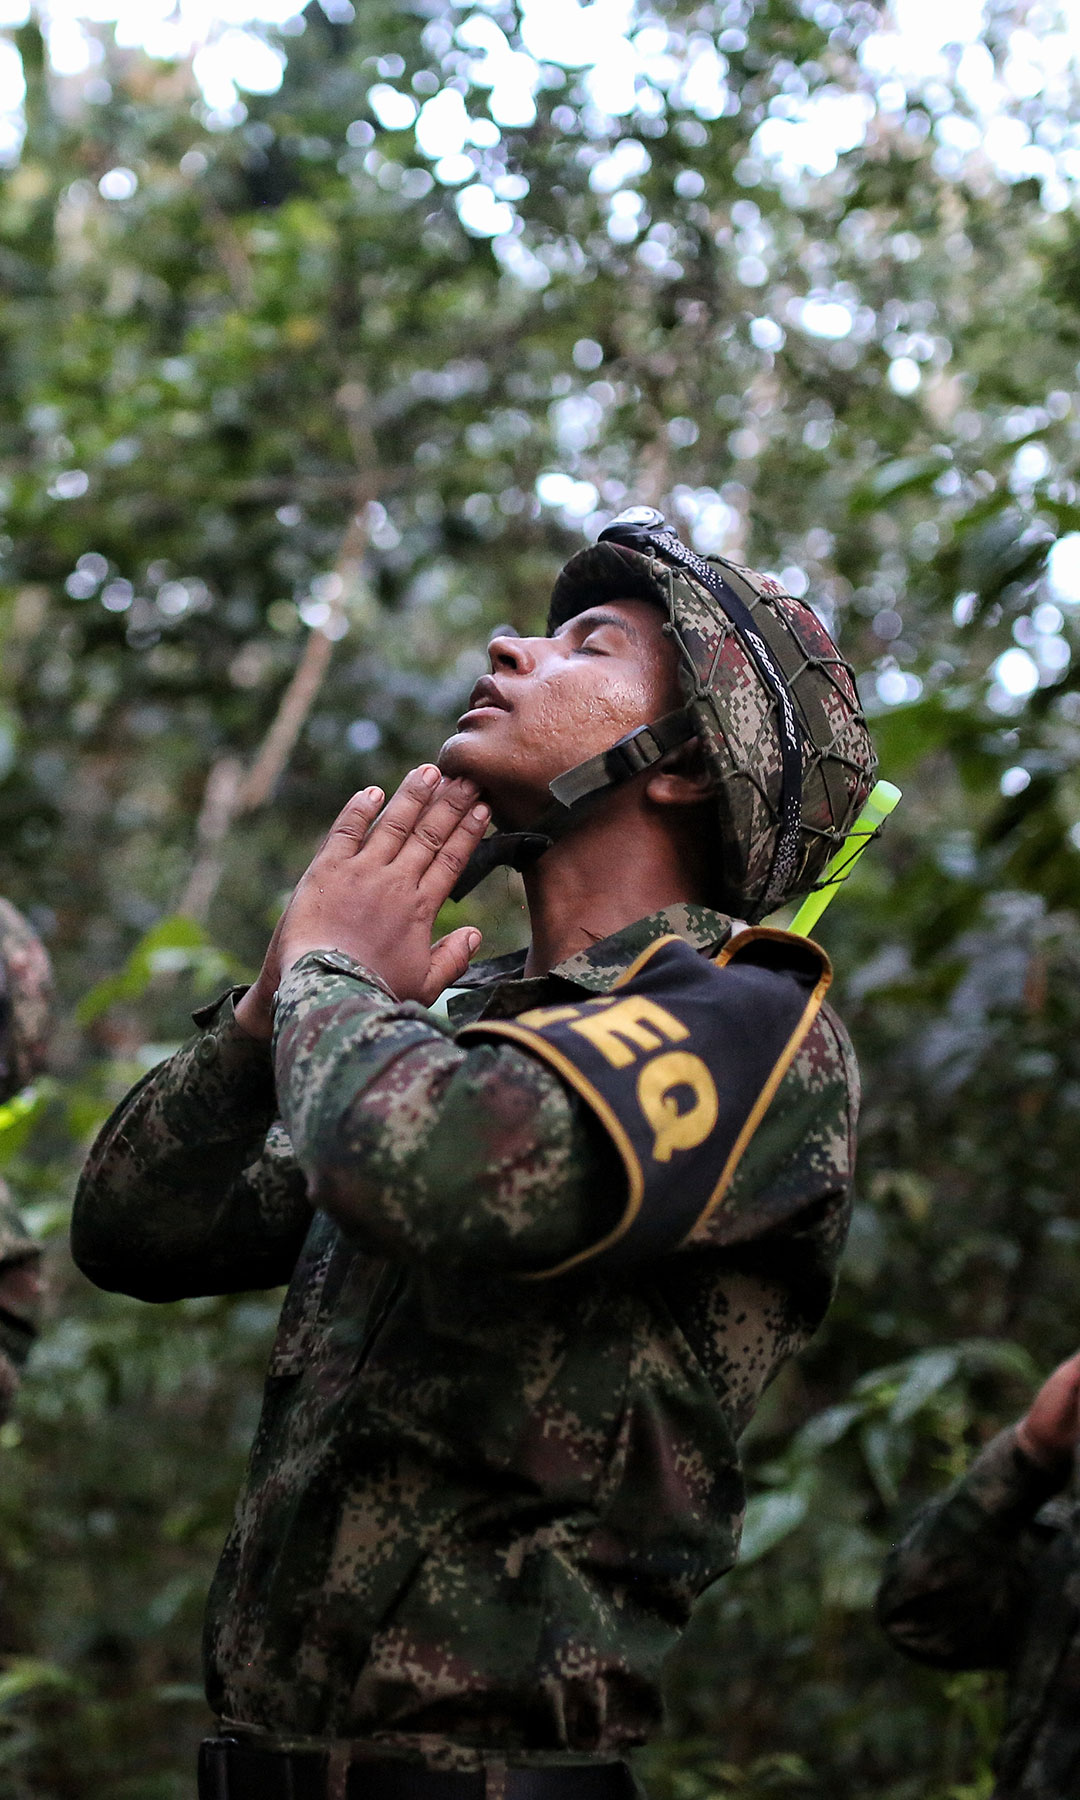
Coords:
pixel 884 798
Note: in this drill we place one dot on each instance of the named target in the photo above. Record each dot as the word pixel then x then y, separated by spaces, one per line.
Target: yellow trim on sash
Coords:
pixel 783 1062
pixel 670 937
pixel 622 1142
pixel 755 934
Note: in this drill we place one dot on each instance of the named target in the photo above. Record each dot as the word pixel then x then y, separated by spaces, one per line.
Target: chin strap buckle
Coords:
pixel 573 793
pixel 503 849
pixel 637 752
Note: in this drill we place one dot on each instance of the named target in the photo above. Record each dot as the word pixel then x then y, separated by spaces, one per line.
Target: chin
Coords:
pixel 457 757
pixel 464 755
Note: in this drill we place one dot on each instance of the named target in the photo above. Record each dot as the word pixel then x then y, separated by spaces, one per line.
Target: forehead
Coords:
pixel 639 621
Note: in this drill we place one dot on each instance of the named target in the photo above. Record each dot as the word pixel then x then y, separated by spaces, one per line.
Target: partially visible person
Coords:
pixel 26 996
pixel 988 1577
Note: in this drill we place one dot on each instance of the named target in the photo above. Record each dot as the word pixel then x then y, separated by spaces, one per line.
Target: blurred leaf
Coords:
pixel 17 1120
pixel 904 475
pixel 176 944
pixel 926 1376
pixel 769 1519
pixel 887 1454
pixel 23 1675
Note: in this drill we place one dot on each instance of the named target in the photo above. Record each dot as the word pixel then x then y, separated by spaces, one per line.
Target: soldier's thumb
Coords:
pixel 449 960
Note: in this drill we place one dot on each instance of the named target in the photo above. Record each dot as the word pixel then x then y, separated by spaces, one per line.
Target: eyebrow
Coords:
pixel 590 620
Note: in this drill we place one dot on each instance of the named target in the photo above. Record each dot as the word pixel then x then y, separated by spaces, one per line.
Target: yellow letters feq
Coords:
pixel 631 1022
pixel 677 1130
pixel 621 1030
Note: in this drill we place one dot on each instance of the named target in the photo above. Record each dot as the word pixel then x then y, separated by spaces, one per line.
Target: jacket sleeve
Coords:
pixel 955 1584
pixel 420 1148
pixel 728 1090
pixel 192 1187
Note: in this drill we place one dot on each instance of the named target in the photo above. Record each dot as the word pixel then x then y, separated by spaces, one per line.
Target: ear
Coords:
pixel 680 778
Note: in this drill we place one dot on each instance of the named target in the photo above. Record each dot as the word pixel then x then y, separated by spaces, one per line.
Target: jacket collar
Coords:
pixel 497 987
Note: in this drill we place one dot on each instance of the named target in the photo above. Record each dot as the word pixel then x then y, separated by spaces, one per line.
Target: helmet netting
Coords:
pixel 735 714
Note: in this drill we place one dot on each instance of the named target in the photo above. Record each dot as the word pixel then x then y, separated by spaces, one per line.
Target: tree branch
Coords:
pixel 230 790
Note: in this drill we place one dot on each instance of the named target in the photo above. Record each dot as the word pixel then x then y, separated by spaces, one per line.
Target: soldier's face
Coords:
pixel 550 703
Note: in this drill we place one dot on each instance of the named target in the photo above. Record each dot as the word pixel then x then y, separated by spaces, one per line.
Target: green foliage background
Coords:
pixel 286 327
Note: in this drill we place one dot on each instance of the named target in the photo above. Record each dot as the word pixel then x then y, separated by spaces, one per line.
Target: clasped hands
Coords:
pixel 373 890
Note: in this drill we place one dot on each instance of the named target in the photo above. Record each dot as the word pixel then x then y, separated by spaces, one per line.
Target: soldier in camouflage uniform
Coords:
pixel 988 1577
pixel 544 1255
pixel 25 1017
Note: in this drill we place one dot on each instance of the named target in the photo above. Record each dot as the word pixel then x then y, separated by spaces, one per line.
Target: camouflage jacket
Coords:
pixel 26 1003
pixel 988 1577
pixel 480 1504
pixel 20 1297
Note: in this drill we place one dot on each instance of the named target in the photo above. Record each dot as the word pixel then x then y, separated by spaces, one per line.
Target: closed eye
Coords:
pixel 603 639
pixel 595 624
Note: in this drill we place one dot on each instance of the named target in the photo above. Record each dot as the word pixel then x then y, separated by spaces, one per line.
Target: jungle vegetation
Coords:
pixel 300 396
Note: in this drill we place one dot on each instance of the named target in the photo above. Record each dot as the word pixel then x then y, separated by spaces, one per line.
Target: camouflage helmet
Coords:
pixel 26 999
pixel 716 611
pixel 767 694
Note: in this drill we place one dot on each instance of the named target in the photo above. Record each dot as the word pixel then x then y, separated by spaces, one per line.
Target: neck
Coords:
pixel 622 863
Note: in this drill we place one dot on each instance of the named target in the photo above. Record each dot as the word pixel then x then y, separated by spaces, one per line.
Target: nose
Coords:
pixel 512 655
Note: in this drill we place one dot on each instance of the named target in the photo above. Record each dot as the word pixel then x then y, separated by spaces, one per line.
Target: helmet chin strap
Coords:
pixel 575 793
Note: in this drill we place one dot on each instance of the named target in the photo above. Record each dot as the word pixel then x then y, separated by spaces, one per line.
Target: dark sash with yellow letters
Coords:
pixel 679 1063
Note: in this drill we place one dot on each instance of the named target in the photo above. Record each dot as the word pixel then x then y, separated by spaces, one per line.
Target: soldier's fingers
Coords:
pixel 435 826
pixel 450 958
pixel 353 822
pixel 400 814
pixel 450 858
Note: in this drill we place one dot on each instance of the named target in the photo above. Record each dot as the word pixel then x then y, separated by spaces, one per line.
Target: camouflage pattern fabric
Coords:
pixel 20 1297
pixel 735 713
pixel 26 1002
pixel 988 1577
pixel 26 996
pixel 478 1509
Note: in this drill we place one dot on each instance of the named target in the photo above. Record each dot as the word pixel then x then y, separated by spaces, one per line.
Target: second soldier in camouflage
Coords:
pixel 988 1577
pixel 26 1014
pixel 542 1258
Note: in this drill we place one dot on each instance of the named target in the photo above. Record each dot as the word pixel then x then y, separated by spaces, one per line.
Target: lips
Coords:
pixel 485 693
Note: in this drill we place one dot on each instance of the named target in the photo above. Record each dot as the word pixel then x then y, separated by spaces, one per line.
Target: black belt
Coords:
pixel 232 1769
